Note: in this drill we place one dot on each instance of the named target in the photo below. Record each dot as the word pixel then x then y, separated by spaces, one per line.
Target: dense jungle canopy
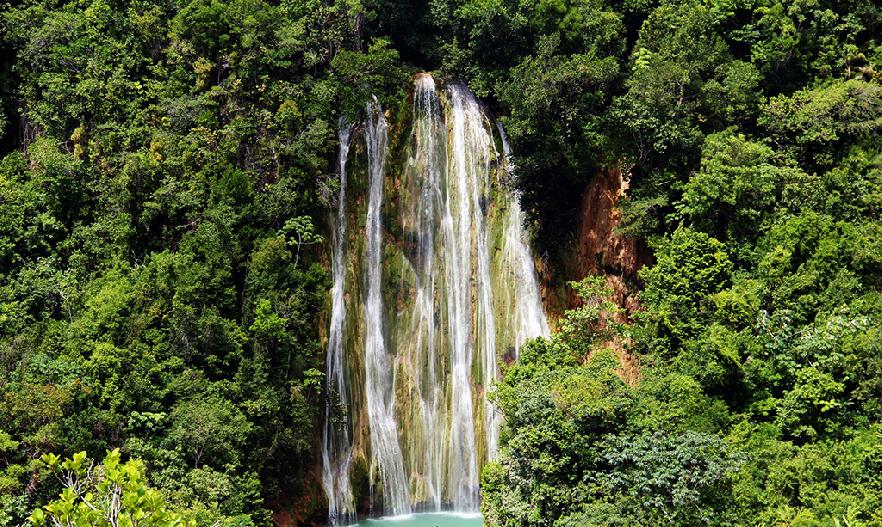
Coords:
pixel 166 171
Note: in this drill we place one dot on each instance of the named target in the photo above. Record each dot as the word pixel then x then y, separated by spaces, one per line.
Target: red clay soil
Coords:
pixel 599 249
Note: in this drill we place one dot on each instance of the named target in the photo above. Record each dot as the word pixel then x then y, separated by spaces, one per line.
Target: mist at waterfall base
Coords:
pixel 433 286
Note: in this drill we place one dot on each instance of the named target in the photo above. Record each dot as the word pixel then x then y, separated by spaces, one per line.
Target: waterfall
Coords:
pixel 443 286
pixel 336 443
pixel 528 316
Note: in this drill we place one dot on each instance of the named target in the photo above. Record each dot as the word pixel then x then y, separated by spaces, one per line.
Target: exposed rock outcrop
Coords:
pixel 598 248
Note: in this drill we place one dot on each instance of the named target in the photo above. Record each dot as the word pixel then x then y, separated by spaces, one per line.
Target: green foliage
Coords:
pixel 815 122
pixel 210 428
pixel 364 74
pixel 750 134
pixel 584 448
pixel 737 189
pixel 109 494
pixel 691 266
pixel 672 479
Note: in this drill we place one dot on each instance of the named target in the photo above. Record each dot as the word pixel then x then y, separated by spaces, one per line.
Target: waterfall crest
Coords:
pixel 432 286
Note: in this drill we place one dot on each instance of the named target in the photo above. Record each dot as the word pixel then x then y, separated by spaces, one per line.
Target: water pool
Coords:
pixel 432 519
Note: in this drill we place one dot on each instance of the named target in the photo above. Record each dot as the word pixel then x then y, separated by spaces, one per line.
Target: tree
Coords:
pixel 109 494
pixel 691 266
pixel 209 429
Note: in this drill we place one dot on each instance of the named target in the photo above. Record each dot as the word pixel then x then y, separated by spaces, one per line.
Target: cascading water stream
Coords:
pixel 429 127
pixel 447 287
pixel 462 223
pixel 529 314
pixel 379 376
pixel 336 442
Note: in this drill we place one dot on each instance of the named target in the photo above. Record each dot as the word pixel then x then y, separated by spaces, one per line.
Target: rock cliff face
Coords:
pixel 600 249
pixel 597 248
